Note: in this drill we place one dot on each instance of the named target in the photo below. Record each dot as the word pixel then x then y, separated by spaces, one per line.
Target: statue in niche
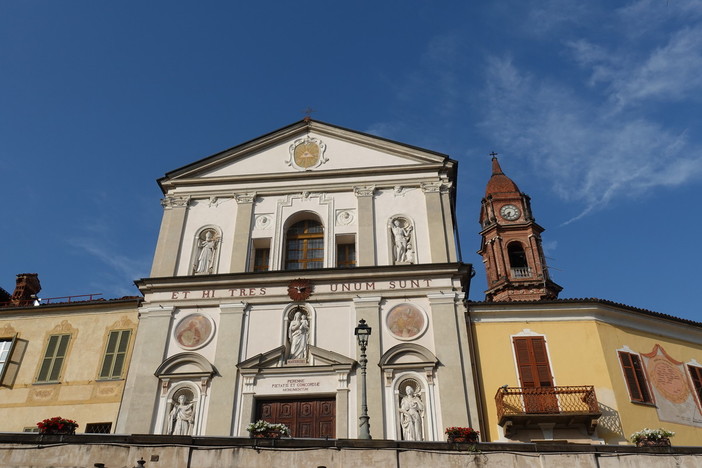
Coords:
pixel 298 334
pixel 207 248
pixel 402 241
pixel 182 417
pixel 411 415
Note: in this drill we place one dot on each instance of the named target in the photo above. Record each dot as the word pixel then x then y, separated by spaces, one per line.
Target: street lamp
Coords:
pixel 362 333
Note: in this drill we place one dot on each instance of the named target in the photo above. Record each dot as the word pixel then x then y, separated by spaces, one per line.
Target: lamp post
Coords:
pixel 362 333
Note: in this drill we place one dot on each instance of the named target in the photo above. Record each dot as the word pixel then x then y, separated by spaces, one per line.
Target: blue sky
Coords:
pixel 594 108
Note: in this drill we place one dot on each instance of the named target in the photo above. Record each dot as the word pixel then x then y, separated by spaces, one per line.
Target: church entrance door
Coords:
pixel 308 418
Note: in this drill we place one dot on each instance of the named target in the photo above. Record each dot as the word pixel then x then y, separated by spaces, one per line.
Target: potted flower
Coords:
pixel 57 425
pixel 264 429
pixel 461 434
pixel 652 437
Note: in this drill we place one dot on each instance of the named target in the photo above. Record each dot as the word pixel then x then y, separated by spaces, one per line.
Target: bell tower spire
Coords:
pixel 511 243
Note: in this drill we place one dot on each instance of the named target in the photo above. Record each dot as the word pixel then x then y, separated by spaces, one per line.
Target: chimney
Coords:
pixel 26 289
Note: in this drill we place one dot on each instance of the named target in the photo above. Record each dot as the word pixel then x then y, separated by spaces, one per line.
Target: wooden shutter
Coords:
pixel 696 375
pixel 532 361
pixel 635 377
pixel 54 356
pixel 115 354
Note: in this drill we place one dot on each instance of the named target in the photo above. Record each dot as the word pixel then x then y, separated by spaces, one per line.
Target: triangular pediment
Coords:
pixel 274 358
pixel 333 150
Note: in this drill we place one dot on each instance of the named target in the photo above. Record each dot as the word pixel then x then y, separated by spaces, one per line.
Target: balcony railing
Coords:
pixel 562 405
pixel 521 272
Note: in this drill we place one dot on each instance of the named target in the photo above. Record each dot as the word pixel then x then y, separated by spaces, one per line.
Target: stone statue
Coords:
pixel 208 248
pixel 402 241
pixel 411 414
pixel 298 334
pixel 182 417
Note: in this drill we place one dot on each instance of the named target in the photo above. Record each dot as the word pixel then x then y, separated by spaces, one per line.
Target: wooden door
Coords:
pixel 308 418
pixel 535 375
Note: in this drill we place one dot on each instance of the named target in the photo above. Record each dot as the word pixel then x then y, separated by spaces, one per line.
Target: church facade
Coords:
pixel 269 255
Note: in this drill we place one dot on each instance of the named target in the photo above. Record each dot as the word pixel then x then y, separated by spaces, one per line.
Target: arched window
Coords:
pixel 517 260
pixel 304 245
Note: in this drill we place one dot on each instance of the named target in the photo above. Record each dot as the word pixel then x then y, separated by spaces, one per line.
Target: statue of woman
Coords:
pixel 182 417
pixel 205 261
pixel 298 334
pixel 411 413
pixel 401 237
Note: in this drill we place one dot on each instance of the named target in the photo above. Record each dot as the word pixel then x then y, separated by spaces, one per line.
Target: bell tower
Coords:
pixel 511 244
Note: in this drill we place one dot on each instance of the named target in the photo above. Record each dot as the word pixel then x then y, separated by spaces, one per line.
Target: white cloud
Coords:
pixel 671 72
pixel 590 154
pixel 123 270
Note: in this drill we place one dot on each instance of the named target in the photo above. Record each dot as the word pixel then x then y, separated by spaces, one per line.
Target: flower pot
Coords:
pixel 70 431
pixel 662 442
pixel 462 439
pixel 266 435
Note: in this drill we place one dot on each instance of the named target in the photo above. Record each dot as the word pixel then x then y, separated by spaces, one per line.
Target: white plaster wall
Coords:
pixel 340 155
pixel 335 327
pixel 265 325
pixel 221 214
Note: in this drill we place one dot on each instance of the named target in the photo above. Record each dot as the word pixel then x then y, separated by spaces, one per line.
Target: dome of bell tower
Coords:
pixel 499 182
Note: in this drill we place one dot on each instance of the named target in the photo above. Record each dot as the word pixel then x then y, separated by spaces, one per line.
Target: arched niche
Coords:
pixel 292 330
pixel 204 259
pixel 189 375
pixel 402 242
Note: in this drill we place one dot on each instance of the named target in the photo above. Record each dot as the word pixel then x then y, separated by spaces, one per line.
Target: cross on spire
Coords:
pixel 308 113
pixel 493 154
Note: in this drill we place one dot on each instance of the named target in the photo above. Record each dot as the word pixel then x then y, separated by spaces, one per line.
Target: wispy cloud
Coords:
pixel 590 154
pixel 612 140
pixel 122 270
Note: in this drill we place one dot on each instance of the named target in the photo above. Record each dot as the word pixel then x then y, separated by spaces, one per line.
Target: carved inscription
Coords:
pixel 296 385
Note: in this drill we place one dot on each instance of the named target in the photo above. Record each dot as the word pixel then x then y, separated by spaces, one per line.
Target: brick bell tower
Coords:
pixel 511 244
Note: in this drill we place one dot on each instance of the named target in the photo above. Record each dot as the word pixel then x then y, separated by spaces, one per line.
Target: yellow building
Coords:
pixel 585 371
pixel 581 370
pixel 66 359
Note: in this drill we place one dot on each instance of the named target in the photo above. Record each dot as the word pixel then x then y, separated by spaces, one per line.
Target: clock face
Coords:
pixel 509 212
pixel 299 289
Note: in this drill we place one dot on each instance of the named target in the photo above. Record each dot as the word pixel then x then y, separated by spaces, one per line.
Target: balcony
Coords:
pixel 564 407
pixel 521 272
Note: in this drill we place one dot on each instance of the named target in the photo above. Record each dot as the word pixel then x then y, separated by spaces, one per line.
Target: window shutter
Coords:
pixel 115 354
pixel 635 377
pixel 696 375
pixel 54 356
pixel 12 353
pixel 532 362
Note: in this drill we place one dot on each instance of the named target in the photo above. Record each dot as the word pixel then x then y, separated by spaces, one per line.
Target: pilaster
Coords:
pixel 368 308
pixel 242 231
pixel 366 225
pixel 138 410
pixel 435 222
pixel 170 235
pixel 221 416
pixel 456 383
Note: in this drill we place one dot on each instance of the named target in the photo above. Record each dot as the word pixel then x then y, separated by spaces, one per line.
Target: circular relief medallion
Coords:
pixel 194 331
pixel 668 379
pixel 406 321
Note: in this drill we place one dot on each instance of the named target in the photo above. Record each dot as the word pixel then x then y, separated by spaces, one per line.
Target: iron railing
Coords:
pixel 514 401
